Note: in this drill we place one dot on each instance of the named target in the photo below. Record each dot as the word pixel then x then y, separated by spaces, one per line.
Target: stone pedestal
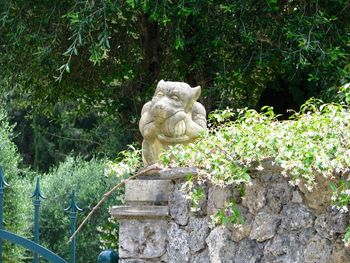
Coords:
pixel 143 221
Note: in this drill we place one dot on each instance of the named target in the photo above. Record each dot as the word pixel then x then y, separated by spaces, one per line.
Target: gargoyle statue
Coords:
pixel 173 116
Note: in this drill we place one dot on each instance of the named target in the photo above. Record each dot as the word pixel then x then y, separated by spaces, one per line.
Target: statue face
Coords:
pixel 172 97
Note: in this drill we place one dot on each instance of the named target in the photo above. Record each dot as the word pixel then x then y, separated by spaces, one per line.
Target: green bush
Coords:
pixel 88 180
pixel 16 197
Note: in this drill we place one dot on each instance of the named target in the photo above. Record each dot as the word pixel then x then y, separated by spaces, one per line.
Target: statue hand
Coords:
pixel 175 125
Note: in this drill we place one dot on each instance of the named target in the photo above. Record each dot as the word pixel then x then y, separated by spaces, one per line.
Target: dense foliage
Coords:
pixel 75 63
pixel 315 141
pixel 17 196
pixel 88 180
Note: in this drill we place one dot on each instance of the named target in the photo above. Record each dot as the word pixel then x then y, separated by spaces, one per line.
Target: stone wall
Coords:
pixel 283 223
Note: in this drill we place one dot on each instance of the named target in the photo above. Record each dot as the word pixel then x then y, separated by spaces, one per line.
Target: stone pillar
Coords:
pixel 143 221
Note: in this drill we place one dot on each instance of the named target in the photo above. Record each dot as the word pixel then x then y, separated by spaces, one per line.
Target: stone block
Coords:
pixel 178 246
pixel 217 197
pixel 248 251
pixel 284 248
pixel 332 223
pixel 198 230
pixel 318 250
pixel 264 226
pixel 295 217
pixel 201 257
pixel 142 239
pixel 220 246
pixel 154 191
pixel 297 197
pixel 254 198
pixel 139 211
pixel 179 206
pixel 176 173
pixel 278 194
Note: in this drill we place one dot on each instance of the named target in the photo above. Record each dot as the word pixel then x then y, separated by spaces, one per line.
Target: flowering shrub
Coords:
pixel 313 142
pixel 129 162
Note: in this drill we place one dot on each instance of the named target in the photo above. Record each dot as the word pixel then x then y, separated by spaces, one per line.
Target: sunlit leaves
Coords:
pixel 315 141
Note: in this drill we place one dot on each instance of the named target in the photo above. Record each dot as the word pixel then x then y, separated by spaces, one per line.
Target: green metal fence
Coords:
pixel 107 256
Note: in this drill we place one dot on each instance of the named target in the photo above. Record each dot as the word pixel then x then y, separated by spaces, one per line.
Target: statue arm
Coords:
pixel 198 122
pixel 199 115
pixel 146 125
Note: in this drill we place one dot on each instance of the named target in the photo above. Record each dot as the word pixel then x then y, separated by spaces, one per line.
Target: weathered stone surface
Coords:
pixel 297 197
pixel 320 198
pixel 173 116
pixel 155 191
pixel 295 217
pixel 220 247
pixel 332 223
pixel 201 257
pixel 178 247
pixel 142 238
pixel 239 232
pixel 268 165
pixel 141 261
pixel 340 254
pixel 264 226
pixel 254 198
pixel 179 206
pixel 217 196
pixel 198 231
pixel 248 251
pixel 283 248
pixel 178 173
pixel 279 227
pixel 139 211
pixel 277 196
pixel 318 250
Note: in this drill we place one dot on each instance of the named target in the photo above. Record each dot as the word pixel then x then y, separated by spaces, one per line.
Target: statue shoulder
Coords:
pixel 198 109
pixel 146 107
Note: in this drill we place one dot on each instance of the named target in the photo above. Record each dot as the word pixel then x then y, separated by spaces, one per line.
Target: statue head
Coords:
pixel 171 97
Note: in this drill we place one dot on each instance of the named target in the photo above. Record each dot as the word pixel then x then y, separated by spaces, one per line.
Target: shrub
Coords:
pixel 16 197
pixel 88 180
pixel 314 142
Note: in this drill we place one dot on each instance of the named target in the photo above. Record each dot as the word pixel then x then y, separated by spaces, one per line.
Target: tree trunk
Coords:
pixel 151 47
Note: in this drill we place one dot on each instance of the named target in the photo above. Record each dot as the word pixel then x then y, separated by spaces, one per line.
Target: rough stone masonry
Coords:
pixel 283 223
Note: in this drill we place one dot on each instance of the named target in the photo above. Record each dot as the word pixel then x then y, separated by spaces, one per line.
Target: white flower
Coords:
pixel 344 209
pixel 259 168
pixel 346 192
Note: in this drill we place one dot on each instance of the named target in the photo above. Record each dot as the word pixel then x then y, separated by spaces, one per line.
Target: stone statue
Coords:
pixel 173 116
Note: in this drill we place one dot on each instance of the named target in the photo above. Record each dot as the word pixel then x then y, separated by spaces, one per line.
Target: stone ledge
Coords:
pixel 155 191
pixel 139 211
pixel 171 173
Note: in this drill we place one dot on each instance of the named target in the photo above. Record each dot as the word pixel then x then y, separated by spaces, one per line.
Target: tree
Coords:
pixel 94 54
